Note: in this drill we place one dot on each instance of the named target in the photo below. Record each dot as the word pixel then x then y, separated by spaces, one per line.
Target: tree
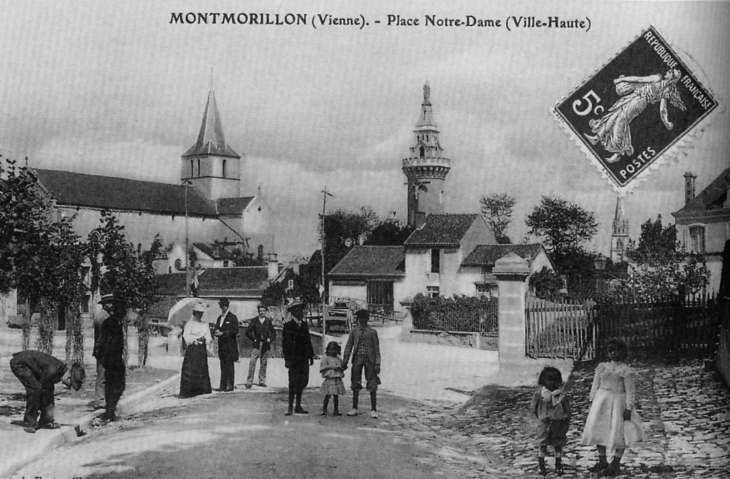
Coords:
pixel 561 225
pixel 660 266
pixel 389 232
pixel 497 210
pixel 546 284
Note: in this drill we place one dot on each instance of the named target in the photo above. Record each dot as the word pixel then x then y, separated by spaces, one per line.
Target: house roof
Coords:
pixel 215 251
pixel 122 194
pixel 211 140
pixel 233 206
pixel 488 254
pixel 372 261
pixel 710 201
pixel 218 282
pixel 442 230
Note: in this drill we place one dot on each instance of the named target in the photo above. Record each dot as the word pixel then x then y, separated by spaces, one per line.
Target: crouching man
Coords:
pixel 39 372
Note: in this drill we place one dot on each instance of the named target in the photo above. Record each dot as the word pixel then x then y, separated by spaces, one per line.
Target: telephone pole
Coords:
pixel 325 194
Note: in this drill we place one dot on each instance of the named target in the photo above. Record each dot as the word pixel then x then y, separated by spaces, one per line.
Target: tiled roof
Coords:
pixel 442 230
pixel 122 194
pixel 215 251
pixel 710 200
pixel 372 261
pixel 488 254
pixel 233 206
pixel 233 281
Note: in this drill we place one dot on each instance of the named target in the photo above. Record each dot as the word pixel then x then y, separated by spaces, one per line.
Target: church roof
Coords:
pixel 218 282
pixel 488 254
pixel 442 230
pixel 211 140
pixel 710 201
pixel 233 206
pixel 122 194
pixel 372 261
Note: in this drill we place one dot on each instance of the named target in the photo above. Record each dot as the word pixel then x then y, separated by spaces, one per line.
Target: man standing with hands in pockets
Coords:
pixel 365 349
pixel 226 330
pixel 261 333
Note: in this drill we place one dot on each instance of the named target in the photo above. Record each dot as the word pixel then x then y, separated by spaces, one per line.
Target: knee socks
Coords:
pixel 373 401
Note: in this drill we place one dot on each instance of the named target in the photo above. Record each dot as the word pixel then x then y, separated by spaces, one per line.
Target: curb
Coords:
pixel 68 433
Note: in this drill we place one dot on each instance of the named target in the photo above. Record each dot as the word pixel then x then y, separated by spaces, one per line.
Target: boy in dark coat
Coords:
pixel 298 355
pixel 261 332
pixel 109 350
pixel 364 346
pixel 226 330
pixel 39 372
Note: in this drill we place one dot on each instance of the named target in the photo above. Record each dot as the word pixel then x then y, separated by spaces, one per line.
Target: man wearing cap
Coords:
pixel 261 332
pixel 365 349
pixel 39 372
pixel 109 350
pixel 298 355
pixel 226 330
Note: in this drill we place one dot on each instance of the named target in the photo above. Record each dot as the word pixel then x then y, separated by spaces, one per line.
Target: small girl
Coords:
pixel 612 420
pixel 332 372
pixel 551 407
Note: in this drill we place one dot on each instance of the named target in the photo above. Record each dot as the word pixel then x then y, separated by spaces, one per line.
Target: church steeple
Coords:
pixel 620 233
pixel 210 164
pixel 425 169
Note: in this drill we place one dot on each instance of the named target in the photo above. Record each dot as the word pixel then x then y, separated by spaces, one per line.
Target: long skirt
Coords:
pixel 195 378
pixel 605 425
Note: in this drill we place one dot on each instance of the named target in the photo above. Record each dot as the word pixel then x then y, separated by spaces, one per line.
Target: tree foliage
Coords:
pixel 562 225
pixel 389 232
pixel 546 284
pixel 497 210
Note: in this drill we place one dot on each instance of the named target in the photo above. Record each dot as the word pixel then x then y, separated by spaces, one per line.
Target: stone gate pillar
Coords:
pixel 511 272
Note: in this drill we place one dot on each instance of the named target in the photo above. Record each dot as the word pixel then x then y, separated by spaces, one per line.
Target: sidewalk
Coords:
pixel 439 375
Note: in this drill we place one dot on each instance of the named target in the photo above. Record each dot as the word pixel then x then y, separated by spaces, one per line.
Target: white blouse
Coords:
pixel 195 330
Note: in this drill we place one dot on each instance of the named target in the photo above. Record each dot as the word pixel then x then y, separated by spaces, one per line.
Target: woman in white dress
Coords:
pixel 195 379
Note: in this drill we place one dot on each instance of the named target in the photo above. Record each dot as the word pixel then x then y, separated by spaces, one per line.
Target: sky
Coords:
pixel 113 88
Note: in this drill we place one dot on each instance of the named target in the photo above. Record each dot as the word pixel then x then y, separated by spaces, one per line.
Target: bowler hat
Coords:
pixel 223 302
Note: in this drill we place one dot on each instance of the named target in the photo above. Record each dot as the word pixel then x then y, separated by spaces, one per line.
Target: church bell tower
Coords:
pixel 425 168
pixel 620 233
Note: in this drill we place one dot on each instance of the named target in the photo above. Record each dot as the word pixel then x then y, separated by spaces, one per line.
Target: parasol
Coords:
pixel 182 311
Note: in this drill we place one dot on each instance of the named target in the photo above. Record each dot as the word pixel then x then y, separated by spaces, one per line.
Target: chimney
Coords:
pixel 273 266
pixel 689 186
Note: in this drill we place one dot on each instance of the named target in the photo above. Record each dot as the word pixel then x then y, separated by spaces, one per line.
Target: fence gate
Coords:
pixel 560 329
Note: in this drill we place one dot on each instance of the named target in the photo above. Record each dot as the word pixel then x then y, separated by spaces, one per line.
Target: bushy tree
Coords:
pixel 497 210
pixel 389 232
pixel 546 284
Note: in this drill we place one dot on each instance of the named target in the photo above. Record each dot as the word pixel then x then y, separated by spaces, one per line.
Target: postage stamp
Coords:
pixel 635 108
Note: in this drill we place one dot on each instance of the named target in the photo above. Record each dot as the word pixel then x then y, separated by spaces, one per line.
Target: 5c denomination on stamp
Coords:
pixel 633 109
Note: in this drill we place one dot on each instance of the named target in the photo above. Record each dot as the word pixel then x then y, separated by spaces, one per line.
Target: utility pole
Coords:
pixel 188 279
pixel 325 194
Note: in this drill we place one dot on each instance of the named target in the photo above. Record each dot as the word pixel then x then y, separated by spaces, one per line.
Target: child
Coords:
pixel 331 368
pixel 552 408
pixel 612 420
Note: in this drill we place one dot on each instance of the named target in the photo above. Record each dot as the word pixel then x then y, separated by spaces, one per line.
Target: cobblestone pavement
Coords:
pixel 686 412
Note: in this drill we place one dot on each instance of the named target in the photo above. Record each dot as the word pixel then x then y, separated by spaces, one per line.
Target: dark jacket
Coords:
pixel 261 334
pixel 296 343
pixel 44 367
pixel 370 338
pixel 109 346
pixel 227 345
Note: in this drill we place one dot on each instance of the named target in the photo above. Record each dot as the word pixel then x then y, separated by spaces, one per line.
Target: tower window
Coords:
pixel 192 171
pixel 198 167
pixel 697 239
pixel 223 168
pixel 423 152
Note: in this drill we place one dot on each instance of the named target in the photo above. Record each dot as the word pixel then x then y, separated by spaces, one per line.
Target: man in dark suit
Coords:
pixel 109 350
pixel 226 330
pixel 298 355
pixel 261 332
pixel 365 349
pixel 39 372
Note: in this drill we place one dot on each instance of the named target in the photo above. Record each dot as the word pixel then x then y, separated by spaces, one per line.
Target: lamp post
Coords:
pixel 186 184
pixel 325 194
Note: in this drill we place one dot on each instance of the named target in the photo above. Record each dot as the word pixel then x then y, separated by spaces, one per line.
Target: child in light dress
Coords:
pixel 613 422
pixel 551 407
pixel 332 371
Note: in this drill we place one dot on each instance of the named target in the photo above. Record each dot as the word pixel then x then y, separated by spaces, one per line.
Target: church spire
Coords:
pixel 211 140
pixel 620 233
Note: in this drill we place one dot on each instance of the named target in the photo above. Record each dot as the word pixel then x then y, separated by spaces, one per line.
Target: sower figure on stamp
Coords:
pixel 226 330
pixel 365 349
pixel 298 355
pixel 261 332
pixel 109 350
pixel 39 372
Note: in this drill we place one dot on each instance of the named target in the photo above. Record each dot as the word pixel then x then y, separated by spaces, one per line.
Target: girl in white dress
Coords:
pixel 613 422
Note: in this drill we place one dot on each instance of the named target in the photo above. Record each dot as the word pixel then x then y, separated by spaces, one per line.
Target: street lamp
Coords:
pixel 600 262
pixel 186 184
pixel 325 194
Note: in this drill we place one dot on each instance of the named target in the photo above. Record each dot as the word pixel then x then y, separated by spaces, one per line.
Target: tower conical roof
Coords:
pixel 211 140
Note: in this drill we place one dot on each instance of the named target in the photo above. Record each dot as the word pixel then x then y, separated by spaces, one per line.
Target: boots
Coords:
pixel 325 404
pixel 541 466
pixel 337 407
pixel 613 469
pixel 600 466
pixel 559 466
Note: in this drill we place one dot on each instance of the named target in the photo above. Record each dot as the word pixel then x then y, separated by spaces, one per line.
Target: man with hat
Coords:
pixel 298 355
pixel 39 372
pixel 109 350
pixel 364 346
pixel 226 330
pixel 261 333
